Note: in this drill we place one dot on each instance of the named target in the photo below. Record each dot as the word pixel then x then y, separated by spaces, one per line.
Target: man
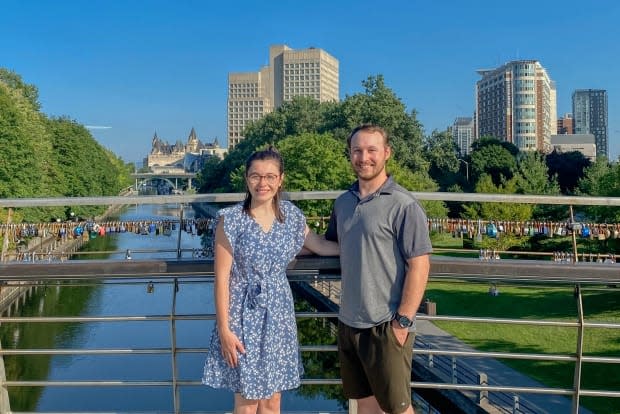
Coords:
pixel 384 258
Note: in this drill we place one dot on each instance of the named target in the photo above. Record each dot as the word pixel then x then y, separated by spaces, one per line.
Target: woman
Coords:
pixel 254 350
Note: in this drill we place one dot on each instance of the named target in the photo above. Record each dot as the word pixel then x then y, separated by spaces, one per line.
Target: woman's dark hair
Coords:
pixel 269 154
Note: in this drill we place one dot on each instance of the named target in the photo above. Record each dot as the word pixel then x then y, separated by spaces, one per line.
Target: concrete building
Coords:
pixel 251 95
pixel 584 143
pixel 181 157
pixel 463 134
pixel 566 125
pixel 590 116
pixel 517 103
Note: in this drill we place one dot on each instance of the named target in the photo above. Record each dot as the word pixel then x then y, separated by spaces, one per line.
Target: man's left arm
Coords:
pixel 413 292
pixel 415 245
pixel 415 285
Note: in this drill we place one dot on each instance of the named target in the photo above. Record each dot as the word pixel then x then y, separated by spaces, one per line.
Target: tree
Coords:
pixel 41 157
pixel 26 166
pixel 211 176
pixel 497 211
pixel 603 180
pixel 418 181
pixel 488 140
pixel 380 105
pixel 15 82
pixel 312 162
pixel 315 162
pixel 532 178
pixel 493 158
pixel 302 114
pixel 569 168
pixel 441 150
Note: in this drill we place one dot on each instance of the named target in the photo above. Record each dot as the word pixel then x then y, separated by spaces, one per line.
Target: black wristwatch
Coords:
pixel 403 321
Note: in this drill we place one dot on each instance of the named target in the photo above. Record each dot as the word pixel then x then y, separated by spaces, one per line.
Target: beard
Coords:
pixel 369 172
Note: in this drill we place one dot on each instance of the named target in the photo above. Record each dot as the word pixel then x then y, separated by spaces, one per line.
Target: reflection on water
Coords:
pixel 114 298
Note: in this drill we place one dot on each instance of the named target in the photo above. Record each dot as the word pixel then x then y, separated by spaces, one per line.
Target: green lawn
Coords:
pixel 540 303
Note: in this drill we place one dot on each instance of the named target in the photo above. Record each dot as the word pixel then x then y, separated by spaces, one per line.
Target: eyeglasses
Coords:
pixel 269 178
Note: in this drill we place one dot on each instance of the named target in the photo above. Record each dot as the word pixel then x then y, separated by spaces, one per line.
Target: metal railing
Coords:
pixel 308 270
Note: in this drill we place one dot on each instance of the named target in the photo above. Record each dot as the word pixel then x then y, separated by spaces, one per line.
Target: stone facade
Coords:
pixel 181 157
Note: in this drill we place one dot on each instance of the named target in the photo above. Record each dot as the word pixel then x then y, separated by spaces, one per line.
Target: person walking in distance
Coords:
pixel 385 259
pixel 254 350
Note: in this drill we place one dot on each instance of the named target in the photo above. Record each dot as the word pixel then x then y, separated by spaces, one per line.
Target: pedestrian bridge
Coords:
pixel 463 375
pixel 176 179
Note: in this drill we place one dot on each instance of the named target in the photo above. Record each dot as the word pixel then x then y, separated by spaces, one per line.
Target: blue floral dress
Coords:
pixel 261 309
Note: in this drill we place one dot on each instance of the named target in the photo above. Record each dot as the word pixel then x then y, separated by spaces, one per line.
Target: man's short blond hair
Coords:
pixel 369 128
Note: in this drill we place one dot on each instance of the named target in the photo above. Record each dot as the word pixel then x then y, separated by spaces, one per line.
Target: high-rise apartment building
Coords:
pixel 251 95
pixel 517 103
pixel 463 134
pixel 590 117
pixel 565 125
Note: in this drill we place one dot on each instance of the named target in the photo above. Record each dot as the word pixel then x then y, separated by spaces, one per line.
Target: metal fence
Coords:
pixel 450 364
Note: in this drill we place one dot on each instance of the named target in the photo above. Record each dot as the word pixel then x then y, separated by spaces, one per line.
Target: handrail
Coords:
pixel 442 267
pixel 303 195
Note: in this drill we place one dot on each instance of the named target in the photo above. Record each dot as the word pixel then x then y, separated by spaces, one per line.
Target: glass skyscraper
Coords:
pixel 590 117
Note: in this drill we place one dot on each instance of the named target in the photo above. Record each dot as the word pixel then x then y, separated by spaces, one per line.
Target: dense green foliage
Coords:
pixel 602 179
pixel 377 104
pixel 43 157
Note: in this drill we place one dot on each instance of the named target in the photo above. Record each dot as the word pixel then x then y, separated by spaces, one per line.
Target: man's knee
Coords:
pixel 368 405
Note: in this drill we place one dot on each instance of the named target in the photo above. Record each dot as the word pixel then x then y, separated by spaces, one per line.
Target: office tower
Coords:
pixel 517 103
pixel 248 101
pixel 463 134
pixel 590 117
pixel 565 124
pixel 251 95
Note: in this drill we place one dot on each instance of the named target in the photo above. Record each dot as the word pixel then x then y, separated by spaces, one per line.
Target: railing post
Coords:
pixel 483 397
pixel 431 358
pixel 454 370
pixel 515 407
pixel 580 329
pixel 179 234
pixel 5 404
pixel 572 220
pixel 173 351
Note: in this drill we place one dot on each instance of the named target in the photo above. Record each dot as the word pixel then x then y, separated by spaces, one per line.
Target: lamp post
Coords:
pixel 466 168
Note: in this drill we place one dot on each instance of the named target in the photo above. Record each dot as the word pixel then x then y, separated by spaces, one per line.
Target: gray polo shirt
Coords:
pixel 377 234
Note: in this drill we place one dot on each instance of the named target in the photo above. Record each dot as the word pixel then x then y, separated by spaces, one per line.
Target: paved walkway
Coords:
pixel 497 372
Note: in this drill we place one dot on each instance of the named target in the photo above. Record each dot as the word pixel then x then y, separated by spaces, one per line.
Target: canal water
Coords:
pixel 116 299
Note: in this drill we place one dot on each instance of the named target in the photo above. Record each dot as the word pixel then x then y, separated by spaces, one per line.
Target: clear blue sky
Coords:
pixel 141 66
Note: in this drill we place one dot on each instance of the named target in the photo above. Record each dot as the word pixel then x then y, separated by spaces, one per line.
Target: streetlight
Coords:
pixel 466 168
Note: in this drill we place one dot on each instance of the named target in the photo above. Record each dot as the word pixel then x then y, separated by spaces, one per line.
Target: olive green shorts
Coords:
pixel 372 362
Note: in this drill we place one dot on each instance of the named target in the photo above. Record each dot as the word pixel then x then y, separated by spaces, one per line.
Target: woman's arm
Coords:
pixel 223 266
pixel 317 244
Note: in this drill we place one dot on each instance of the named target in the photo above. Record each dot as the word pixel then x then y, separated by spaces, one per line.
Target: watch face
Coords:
pixel 404 321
